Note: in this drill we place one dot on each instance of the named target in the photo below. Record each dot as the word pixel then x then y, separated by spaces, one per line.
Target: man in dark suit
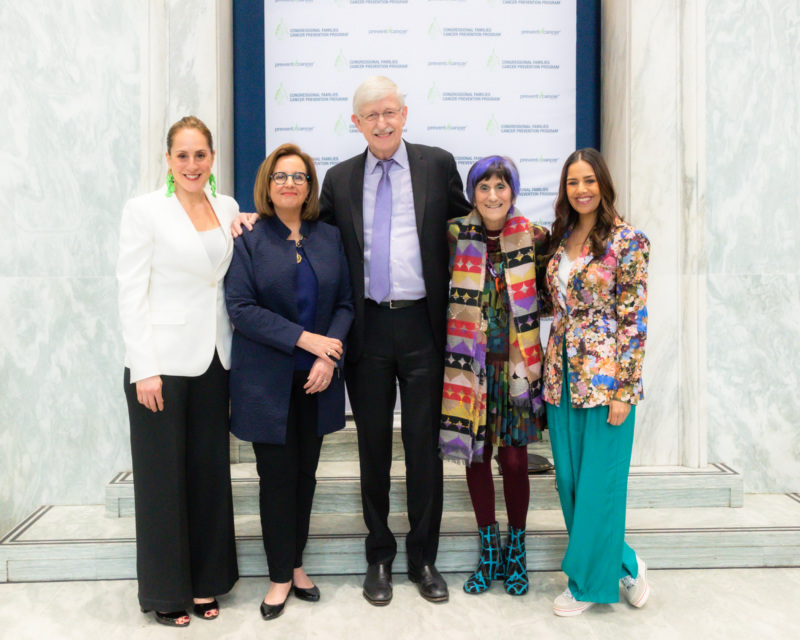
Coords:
pixel 391 204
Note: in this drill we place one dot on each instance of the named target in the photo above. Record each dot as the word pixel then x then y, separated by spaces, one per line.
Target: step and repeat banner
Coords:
pixel 479 77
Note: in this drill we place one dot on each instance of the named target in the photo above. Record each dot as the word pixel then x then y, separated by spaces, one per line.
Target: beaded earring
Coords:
pixel 212 182
pixel 170 183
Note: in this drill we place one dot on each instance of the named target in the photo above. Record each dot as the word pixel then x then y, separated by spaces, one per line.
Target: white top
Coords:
pixel 564 269
pixel 215 243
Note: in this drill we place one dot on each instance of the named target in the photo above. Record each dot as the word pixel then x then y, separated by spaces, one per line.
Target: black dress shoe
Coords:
pixel 431 584
pixel 309 595
pixel 378 584
pixel 271 611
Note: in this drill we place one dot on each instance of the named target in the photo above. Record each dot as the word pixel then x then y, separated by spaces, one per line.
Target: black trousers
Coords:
pixel 399 348
pixel 185 541
pixel 287 477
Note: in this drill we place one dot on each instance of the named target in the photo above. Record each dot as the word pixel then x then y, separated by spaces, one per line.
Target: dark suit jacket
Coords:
pixel 262 304
pixel 438 197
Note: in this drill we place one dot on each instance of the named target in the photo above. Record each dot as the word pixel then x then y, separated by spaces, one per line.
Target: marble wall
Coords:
pixel 752 239
pixel 69 157
pixel 89 89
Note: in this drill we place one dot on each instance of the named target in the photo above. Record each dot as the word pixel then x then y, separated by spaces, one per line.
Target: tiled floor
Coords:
pixel 731 604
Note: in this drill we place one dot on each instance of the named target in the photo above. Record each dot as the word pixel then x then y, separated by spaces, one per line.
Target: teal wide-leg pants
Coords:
pixel 592 459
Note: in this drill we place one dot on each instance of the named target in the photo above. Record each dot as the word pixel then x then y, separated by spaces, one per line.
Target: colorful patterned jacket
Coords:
pixel 604 324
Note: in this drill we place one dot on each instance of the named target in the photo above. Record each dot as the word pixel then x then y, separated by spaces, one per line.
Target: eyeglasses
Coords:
pixel 279 177
pixel 389 114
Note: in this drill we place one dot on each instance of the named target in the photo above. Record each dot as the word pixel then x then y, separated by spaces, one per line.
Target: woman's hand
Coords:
pixel 243 220
pixel 323 347
pixel 148 393
pixel 617 412
pixel 319 377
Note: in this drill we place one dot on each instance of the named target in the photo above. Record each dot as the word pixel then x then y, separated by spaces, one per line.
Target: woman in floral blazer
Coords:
pixel 597 283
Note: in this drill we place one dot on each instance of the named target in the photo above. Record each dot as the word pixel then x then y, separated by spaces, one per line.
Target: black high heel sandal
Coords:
pixel 169 619
pixel 201 609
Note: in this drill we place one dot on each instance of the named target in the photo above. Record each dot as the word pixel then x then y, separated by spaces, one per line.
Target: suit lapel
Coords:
pixel 357 199
pixel 419 184
pixel 226 229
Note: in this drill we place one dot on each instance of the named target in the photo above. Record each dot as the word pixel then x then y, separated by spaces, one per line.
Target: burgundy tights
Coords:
pixel 516 486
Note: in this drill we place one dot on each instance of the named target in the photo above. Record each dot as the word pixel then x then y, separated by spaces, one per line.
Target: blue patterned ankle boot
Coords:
pixel 491 565
pixel 516 565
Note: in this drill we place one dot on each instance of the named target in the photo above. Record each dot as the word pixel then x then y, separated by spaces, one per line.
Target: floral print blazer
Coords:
pixel 604 323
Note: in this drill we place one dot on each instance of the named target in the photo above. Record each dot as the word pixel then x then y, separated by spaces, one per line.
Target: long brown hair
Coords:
pixel 310 210
pixel 566 216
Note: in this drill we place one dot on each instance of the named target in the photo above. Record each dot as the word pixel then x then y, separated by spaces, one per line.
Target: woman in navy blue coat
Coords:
pixel 290 300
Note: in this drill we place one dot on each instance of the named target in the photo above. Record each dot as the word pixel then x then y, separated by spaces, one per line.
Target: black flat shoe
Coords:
pixel 431 584
pixel 271 611
pixel 309 595
pixel 169 619
pixel 200 610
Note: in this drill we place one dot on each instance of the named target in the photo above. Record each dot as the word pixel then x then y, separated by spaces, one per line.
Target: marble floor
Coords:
pixel 728 604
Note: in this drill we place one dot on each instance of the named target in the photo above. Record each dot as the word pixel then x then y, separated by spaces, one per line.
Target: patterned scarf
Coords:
pixel 463 427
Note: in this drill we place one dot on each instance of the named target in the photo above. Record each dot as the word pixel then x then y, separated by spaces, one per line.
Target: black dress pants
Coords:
pixel 185 541
pixel 399 348
pixel 287 477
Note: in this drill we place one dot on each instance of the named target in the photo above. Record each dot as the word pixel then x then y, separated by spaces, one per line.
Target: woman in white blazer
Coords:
pixel 174 250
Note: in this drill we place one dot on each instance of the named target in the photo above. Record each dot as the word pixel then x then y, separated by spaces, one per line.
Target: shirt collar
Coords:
pixel 400 157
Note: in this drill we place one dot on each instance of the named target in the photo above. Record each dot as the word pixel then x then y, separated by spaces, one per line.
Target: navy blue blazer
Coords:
pixel 262 305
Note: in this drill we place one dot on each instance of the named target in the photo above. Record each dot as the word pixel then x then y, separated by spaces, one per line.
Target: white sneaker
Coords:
pixel 637 591
pixel 566 605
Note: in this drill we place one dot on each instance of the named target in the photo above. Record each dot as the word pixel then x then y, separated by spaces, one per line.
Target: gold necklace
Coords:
pixel 297 245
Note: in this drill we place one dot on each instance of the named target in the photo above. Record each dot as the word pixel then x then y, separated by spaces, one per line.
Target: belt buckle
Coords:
pixel 391 305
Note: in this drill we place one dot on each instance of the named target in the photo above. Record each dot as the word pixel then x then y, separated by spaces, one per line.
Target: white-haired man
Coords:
pixel 391 204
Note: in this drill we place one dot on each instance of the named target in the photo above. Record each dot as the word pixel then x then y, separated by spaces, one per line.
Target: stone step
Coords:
pixel 59 543
pixel 338 489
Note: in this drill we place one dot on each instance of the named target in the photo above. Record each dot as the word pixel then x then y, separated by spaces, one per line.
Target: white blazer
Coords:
pixel 171 298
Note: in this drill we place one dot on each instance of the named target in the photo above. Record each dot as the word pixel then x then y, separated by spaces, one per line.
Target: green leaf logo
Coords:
pixel 435 31
pixel 281 32
pixel 434 95
pixel 340 64
pixel 340 128
pixel 493 63
pixel 281 97
pixel 492 127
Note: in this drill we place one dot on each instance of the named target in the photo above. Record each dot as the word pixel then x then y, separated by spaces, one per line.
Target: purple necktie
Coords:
pixel 379 285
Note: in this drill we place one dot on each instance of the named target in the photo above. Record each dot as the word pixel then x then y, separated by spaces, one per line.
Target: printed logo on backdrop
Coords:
pixel 517 129
pixel 297 64
pixel 540 160
pixel 326 161
pixel 539 96
pixel 371 63
pixel 466 161
pixel 282 32
pixel 283 97
pixel 530 64
pixel 341 127
pixel 436 31
pixel 540 32
pixel 435 96
pixel 295 129
pixel 388 32
pixel 537 192
pixel 535 2
pixel 449 63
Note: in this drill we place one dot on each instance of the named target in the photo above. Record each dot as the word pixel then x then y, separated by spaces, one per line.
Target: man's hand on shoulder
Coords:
pixel 246 220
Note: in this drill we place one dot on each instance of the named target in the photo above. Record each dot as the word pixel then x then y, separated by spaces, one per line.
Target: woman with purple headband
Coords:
pixel 493 365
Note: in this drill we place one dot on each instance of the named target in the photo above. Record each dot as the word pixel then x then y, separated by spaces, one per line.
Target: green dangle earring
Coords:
pixel 212 182
pixel 170 183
